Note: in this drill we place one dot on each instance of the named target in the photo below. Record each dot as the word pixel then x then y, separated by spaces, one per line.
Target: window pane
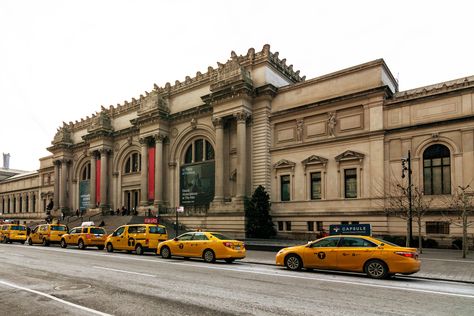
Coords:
pixel 427 163
pixel 316 185
pixel 437 180
pixel 209 151
pixel 446 161
pixel 436 162
pixel 350 183
pixel 285 188
pixel 310 226
pixel 427 181
pixel 446 180
pixel 188 157
pixel 127 166
pixel 198 150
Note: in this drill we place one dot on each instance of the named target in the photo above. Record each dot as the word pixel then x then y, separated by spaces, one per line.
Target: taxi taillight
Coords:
pixel 147 241
pixel 406 254
pixel 227 244
pixel 88 236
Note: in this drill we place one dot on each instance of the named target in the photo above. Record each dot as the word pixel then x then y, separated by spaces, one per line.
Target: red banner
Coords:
pixel 97 181
pixel 151 173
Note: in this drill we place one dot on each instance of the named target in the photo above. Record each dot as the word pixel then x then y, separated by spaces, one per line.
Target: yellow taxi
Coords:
pixel 13 233
pixel 136 237
pixel 207 245
pixel 47 234
pixel 85 236
pixel 375 257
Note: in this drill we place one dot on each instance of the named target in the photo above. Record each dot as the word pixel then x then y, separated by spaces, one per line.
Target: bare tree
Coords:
pixel 398 205
pixel 461 203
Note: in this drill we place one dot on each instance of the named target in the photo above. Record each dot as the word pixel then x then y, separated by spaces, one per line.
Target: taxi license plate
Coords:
pixel 237 247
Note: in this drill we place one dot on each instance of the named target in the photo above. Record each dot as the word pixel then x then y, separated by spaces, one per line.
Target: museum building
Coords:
pixel 328 150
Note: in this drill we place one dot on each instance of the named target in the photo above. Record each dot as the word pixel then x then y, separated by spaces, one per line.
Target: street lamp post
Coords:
pixel 406 167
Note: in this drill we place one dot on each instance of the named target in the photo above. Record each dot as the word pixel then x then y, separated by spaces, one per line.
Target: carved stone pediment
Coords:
pixel 314 160
pixel 349 155
pixel 63 136
pixel 284 164
pixel 229 73
pixel 151 102
pixel 101 122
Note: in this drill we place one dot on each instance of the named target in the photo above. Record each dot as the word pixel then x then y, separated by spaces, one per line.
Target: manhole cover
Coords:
pixel 70 287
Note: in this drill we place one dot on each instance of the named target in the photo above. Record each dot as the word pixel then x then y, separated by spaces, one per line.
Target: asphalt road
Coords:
pixel 37 280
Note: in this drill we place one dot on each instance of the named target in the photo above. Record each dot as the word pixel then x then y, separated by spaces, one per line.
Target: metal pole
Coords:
pixel 410 216
pixel 176 227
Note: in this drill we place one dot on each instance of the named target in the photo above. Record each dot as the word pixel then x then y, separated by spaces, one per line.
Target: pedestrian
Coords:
pixel 77 212
pixel 102 224
pixel 62 215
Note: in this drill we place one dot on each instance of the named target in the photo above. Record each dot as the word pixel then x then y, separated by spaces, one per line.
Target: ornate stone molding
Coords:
pixel 241 116
pixel 159 137
pixel 284 163
pixel 218 122
pixel 314 160
pixel 349 155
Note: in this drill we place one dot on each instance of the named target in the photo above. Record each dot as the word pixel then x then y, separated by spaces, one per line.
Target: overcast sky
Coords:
pixel 61 60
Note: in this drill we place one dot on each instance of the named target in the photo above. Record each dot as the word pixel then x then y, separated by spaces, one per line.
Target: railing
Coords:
pixel 188 210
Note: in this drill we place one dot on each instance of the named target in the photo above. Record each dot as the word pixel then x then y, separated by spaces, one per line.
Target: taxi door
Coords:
pixel 181 247
pixel 40 233
pixel 321 254
pixel 73 236
pixel 197 245
pixel 119 238
pixel 353 252
pixel 34 234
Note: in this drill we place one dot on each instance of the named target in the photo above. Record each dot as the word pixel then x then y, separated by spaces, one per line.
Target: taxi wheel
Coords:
pixel 63 243
pixel 29 241
pixel 165 253
pixel 45 243
pixel 376 269
pixel 100 247
pixel 293 262
pixel 139 250
pixel 110 248
pixel 229 260
pixel 81 244
pixel 209 256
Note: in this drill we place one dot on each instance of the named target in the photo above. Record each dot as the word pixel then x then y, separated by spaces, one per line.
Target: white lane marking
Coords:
pixel 187 264
pixel 449 260
pixel 87 309
pixel 125 271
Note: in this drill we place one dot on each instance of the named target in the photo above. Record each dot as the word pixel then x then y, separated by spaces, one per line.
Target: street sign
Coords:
pixel 151 220
pixel 350 229
pixel 180 209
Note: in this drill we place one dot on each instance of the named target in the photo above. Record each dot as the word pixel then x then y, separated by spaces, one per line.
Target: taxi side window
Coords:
pixel 133 230
pixel 356 242
pixel 43 228
pixel 84 230
pixel 200 236
pixel 328 242
pixel 141 229
pixel 35 229
pixel 119 231
pixel 186 237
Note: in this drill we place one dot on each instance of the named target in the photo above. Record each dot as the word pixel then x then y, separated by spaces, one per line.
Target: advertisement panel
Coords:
pixel 84 194
pixel 197 184
pixel 350 229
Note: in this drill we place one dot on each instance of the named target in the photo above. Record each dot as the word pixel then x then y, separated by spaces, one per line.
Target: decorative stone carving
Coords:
pixel 63 135
pixel 159 137
pixel 283 163
pixel 314 160
pixel 241 116
pixel 217 122
pixel 299 130
pixel 435 136
pixel 349 155
pixel 101 121
pixel 332 123
pixel 193 123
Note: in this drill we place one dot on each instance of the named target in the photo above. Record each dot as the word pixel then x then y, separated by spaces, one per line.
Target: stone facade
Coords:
pixel 327 149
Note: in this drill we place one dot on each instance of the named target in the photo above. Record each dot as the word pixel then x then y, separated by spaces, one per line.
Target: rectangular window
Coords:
pixel 319 226
pixel 198 150
pixel 316 186
pixel 437 228
pixel 288 226
pixel 350 183
pixel 285 188
pixel 310 226
pixel 280 225
pixel 344 222
pixel 355 222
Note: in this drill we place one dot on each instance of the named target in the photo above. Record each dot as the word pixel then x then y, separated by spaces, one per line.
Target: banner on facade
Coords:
pixel 84 194
pixel 197 184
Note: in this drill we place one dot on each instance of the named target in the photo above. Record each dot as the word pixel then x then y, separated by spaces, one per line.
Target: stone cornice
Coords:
pixel 195 112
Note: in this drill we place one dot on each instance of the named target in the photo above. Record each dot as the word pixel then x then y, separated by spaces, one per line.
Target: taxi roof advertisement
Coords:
pixel 350 229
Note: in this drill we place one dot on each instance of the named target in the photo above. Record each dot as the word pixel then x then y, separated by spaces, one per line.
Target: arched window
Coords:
pixel 437 170
pixel 198 151
pixel 86 172
pixel 133 163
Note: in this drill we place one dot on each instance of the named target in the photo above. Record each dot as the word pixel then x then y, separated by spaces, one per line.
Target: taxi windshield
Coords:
pixel 58 228
pixel 18 228
pixel 97 231
pixel 386 242
pixel 157 230
pixel 220 236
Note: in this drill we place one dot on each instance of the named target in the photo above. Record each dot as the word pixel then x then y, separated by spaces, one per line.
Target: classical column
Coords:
pixel 17 204
pixel 11 203
pixel 144 172
pixel 24 198
pixel 241 153
pixel 92 200
pixel 63 185
pixel 104 183
pixel 31 202
pixel 219 160
pixel 56 184
pixel 159 138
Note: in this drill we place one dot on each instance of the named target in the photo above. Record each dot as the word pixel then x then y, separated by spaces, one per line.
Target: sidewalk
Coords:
pixel 439 264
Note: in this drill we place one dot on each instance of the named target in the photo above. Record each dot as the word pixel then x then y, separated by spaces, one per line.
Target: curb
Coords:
pixel 398 276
